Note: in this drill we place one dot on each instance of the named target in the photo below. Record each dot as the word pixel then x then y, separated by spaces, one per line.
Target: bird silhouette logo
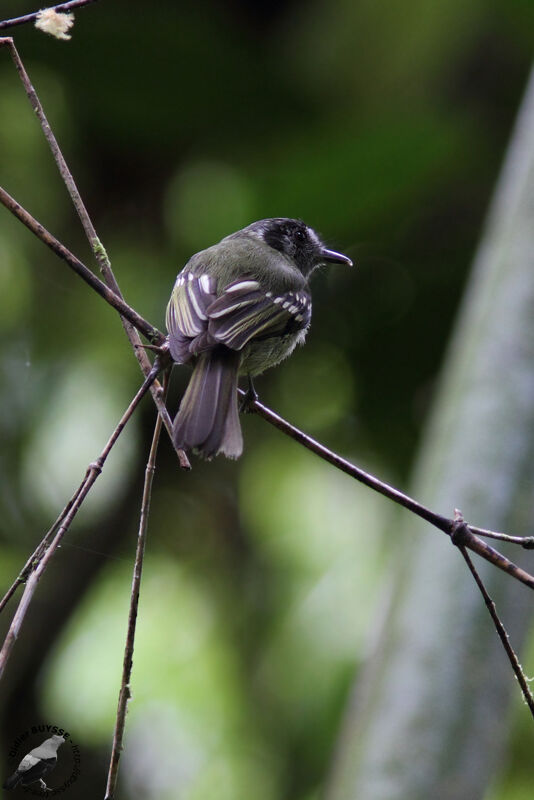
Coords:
pixel 35 764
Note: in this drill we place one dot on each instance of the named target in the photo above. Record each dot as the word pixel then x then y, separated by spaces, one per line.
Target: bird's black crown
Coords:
pixel 293 238
pixel 296 240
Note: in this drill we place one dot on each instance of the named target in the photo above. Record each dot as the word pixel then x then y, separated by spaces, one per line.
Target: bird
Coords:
pixel 238 308
pixel 36 763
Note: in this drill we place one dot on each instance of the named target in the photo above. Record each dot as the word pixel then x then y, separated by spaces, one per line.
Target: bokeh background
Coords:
pixel 384 127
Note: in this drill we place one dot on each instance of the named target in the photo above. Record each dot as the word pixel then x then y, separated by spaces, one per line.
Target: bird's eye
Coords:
pixel 300 236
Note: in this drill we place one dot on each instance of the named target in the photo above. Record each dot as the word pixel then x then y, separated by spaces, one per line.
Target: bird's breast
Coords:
pixel 262 354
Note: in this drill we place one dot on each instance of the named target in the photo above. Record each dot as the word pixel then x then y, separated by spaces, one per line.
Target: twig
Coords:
pixel 125 693
pixel 46 549
pixel 457 539
pixel 10 592
pixel 10 23
pixel 443 524
pixel 39 551
pixel 96 245
pixel 41 547
pixel 342 464
pixel 153 334
pixel 525 541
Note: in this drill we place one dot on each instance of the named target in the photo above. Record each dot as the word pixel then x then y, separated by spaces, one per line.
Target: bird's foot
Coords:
pixel 159 349
pixel 251 396
pixel 43 786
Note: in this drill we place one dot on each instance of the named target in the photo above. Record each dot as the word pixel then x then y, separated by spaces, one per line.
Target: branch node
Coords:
pixel 459 531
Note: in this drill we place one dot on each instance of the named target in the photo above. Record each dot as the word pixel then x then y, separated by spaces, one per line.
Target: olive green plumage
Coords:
pixel 239 307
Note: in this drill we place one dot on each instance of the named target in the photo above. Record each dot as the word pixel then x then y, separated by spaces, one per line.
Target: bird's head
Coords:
pixel 297 241
pixel 56 741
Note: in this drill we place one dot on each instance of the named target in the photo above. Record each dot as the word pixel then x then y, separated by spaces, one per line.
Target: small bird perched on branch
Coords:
pixel 36 763
pixel 238 308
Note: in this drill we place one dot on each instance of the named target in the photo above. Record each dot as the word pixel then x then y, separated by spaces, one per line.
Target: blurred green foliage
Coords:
pixel 382 125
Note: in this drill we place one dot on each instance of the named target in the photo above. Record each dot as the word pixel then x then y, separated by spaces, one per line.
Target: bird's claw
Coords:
pixel 248 400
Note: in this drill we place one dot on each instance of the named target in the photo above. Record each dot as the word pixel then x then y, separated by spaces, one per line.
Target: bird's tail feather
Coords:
pixel 208 418
pixel 12 781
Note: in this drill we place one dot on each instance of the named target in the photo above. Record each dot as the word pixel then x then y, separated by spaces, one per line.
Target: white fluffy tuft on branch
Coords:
pixel 50 21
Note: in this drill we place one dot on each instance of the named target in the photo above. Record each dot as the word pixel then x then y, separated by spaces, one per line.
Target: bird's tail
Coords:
pixel 208 418
pixel 12 781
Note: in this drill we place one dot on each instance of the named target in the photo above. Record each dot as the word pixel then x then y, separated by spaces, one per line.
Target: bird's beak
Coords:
pixel 335 258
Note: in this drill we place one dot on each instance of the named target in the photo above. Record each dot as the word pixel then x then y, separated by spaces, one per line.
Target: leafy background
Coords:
pixel 383 126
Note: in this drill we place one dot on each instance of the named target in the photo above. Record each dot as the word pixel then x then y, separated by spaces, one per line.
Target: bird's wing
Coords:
pixel 244 312
pixel 28 762
pixel 197 319
pixel 187 317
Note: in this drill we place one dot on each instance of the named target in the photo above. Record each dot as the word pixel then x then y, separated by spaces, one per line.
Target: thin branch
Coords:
pixel 10 592
pixel 457 539
pixel 39 561
pixel 525 541
pixel 153 334
pixel 66 175
pixel 148 330
pixel 497 559
pixel 10 23
pixel 125 693
pixel 39 551
pixel 443 524
pixel 342 464
pixel 33 560
pixel 95 243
